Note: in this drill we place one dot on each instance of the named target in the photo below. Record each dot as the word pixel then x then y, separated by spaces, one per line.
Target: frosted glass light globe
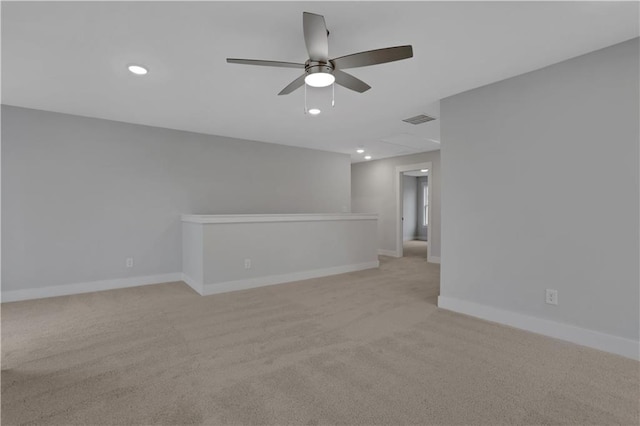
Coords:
pixel 319 79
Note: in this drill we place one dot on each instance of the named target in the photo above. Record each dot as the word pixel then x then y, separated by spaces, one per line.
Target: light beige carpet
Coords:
pixel 362 348
pixel 414 248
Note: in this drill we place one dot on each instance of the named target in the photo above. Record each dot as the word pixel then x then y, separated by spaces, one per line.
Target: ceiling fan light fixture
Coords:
pixel 314 111
pixel 319 79
pixel 137 69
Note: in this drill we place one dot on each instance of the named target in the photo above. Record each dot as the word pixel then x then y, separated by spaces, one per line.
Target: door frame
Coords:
pixel 399 202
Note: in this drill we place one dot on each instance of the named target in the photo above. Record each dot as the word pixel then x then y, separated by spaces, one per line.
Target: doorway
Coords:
pixel 416 177
pixel 415 213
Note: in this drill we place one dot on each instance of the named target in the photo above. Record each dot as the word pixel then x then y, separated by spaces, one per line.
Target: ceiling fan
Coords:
pixel 319 70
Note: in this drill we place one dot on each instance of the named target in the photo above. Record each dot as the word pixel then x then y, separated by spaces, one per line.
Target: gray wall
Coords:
pixel 420 228
pixel 541 190
pixel 79 195
pixel 409 207
pixel 284 249
pixel 372 191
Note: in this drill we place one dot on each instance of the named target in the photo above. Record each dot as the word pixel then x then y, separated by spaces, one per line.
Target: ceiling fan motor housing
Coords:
pixel 313 67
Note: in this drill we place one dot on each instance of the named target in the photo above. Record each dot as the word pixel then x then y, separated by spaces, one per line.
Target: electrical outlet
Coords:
pixel 247 264
pixel 551 297
pixel 129 262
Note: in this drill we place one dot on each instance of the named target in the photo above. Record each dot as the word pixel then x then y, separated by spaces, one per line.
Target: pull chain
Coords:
pixel 305 98
pixel 333 94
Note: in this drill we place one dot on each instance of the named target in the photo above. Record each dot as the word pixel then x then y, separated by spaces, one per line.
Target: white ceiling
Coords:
pixel 71 57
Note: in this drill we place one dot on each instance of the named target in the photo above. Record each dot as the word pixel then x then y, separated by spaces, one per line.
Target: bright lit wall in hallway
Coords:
pixel 373 191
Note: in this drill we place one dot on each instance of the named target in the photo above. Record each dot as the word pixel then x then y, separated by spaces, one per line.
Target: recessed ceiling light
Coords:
pixel 424 170
pixel 367 157
pixel 360 151
pixel 137 69
pixel 319 79
pixel 314 111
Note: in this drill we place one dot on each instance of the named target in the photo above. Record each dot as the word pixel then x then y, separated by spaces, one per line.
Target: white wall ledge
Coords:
pixel 262 218
pixel 235 252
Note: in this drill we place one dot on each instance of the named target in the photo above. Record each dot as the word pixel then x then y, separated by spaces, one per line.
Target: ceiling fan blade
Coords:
pixel 373 57
pixel 315 36
pixel 350 82
pixel 293 85
pixel 265 63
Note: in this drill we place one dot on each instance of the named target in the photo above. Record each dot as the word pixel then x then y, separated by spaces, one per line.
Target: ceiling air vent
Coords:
pixel 419 119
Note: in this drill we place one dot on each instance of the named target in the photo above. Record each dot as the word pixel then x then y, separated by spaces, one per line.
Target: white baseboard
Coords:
pixel 433 259
pixel 87 287
pixel 197 286
pixel 605 342
pixel 228 286
pixel 383 252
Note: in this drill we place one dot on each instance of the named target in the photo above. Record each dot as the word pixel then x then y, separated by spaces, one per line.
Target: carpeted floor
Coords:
pixel 369 347
pixel 414 248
